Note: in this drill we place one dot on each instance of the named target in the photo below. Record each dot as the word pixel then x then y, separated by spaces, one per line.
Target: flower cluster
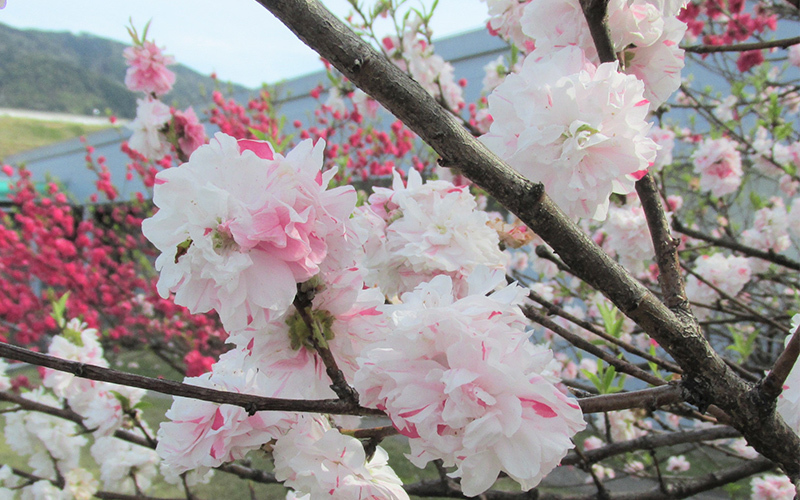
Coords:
pixel 147 69
pixel 54 445
pixel 645 32
pixel 729 274
pixel 460 379
pixel 317 459
pixel 239 243
pixel 628 236
pixel 418 231
pixel 157 127
pixel 416 56
pixel 720 166
pixel 577 128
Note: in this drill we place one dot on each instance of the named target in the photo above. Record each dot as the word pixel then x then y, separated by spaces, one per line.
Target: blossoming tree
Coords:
pixel 653 312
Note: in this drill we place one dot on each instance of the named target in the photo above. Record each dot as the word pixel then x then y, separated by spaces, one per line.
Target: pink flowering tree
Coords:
pixel 625 313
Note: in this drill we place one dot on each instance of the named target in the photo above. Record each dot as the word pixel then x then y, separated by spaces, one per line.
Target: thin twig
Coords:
pixel 743 47
pixel 650 399
pixel 738 247
pixel 621 366
pixel 249 402
pixel 772 385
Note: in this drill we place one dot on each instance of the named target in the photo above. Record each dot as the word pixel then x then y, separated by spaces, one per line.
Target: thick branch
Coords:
pixel 249 402
pixel 666 247
pixel 595 13
pixel 707 376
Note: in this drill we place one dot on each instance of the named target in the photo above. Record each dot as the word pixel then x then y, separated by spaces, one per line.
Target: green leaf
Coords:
pixel 756 201
pixel 612 319
pixel 142 405
pixel 123 401
pixel 59 310
pixel 595 380
pixel 783 131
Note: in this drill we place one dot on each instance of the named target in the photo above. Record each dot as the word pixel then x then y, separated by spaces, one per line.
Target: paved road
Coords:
pixel 57 117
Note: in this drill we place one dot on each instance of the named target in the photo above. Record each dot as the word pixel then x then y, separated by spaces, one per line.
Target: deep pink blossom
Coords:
pixel 147 70
pixel 240 225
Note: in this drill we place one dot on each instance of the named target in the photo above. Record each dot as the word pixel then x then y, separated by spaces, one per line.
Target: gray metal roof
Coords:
pixel 468 52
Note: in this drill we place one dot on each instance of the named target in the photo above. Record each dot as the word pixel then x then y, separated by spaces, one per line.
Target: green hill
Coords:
pixel 63 72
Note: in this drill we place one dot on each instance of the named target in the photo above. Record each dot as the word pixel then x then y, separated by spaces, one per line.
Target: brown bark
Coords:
pixel 707 378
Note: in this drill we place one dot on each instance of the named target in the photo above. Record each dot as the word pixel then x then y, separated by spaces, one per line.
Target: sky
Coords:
pixel 238 39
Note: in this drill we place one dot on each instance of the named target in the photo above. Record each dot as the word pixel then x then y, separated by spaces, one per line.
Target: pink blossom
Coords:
pixel 202 435
pixel 730 274
pixel 296 371
pixel 148 71
pixel 460 379
pixel 53 444
pixel 794 55
pixel 418 231
pixel 645 32
pixel 720 166
pixel 742 449
pixel 625 425
pixel 577 128
pixel 125 467
pixel 196 363
pixel 592 443
pixel 77 343
pixel 629 237
pixel 152 117
pixel 634 467
pixel 504 21
pixel 772 487
pixel 316 459
pixel 769 232
pixel 364 104
pixel 678 464
pixel 104 413
pixel 749 59
pixel 415 56
pixel 665 139
pixel 188 130
pixel 658 65
pixel 239 225
pixel 494 74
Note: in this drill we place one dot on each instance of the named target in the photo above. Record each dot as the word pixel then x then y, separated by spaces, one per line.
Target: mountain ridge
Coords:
pixel 78 74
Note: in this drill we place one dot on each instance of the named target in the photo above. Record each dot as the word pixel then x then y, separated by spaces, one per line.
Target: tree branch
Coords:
pixel 742 47
pixel 595 13
pixel 650 399
pixel 772 385
pixel 666 247
pixel 558 311
pixel 652 442
pixel 621 366
pixel 249 402
pixel 706 375
pixel 732 245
